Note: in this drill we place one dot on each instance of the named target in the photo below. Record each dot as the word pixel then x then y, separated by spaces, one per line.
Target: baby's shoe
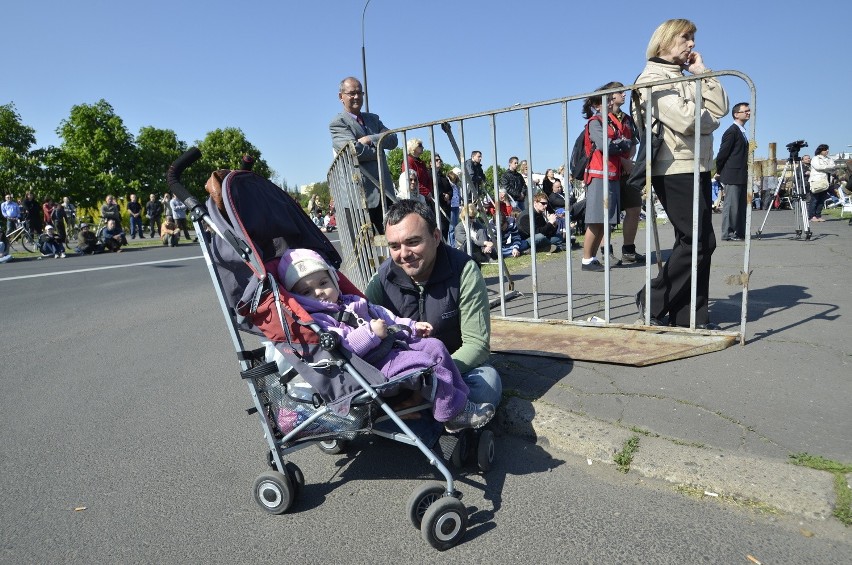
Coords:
pixel 472 416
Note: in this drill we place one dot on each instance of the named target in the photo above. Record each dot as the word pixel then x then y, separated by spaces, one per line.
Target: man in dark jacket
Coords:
pixel 154 210
pixel 545 232
pixel 732 166
pixel 474 173
pixel 513 183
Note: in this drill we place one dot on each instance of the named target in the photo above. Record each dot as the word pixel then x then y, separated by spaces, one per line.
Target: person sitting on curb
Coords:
pixel 113 237
pixel 87 241
pixel 513 244
pixel 170 232
pixel 50 244
pixel 481 247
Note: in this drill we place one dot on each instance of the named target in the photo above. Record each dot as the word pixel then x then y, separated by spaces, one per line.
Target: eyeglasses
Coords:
pixel 354 94
pixel 743 112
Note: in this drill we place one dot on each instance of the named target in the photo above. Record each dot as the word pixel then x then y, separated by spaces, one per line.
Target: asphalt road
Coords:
pixel 126 441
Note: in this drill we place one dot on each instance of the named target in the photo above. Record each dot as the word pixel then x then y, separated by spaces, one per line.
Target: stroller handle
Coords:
pixel 190 156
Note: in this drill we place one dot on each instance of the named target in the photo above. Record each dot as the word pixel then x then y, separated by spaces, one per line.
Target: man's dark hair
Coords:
pixel 737 107
pixel 402 208
pixel 474 153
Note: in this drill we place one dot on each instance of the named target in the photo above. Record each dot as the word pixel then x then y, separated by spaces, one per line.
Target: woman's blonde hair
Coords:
pixel 412 145
pixel 468 211
pixel 665 34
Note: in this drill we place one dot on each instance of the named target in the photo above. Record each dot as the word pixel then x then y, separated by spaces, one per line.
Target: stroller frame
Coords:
pixel 435 507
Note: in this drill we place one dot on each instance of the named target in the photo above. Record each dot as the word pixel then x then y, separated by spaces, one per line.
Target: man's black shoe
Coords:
pixel 708 326
pixel 640 306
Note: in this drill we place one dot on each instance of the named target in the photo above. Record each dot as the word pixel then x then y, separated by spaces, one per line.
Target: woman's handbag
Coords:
pixel 636 178
pixel 820 184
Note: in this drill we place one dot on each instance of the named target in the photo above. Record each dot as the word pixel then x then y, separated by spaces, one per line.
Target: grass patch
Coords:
pixel 646 433
pixel 624 458
pixel 842 492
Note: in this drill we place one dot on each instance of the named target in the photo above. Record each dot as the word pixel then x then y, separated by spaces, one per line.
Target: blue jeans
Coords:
pixel 454 219
pixel 816 204
pixel 484 384
pixel 136 227
pixel 542 242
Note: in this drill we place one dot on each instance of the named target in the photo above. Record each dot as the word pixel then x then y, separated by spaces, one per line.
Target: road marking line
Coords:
pixel 99 268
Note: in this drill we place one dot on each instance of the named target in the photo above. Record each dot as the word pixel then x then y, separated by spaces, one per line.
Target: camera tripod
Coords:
pixel 797 194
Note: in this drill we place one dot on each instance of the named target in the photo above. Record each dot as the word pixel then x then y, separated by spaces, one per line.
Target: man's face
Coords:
pixel 806 159
pixel 133 198
pixel 513 165
pixel 352 97
pixel 412 247
pixel 152 197
pixel 477 158
pixel 557 186
pixel 743 114
pixel 110 200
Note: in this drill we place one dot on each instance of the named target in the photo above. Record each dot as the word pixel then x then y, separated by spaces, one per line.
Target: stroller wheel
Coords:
pixel 274 492
pixel 460 452
pixel 444 523
pixel 422 498
pixel 485 450
pixel 296 477
pixel 332 446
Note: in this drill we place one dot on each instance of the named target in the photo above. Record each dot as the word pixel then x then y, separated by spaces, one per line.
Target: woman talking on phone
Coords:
pixel 670 54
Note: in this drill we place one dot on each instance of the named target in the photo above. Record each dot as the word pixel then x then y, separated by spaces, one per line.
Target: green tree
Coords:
pixel 488 185
pixel 49 173
pixel 156 149
pixel 17 168
pixel 222 149
pixel 321 190
pixel 98 152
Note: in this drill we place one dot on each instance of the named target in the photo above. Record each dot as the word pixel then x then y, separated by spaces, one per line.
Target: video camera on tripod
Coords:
pixel 794 147
pixel 797 193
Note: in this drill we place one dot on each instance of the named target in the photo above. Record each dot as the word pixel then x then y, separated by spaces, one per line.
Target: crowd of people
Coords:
pixel 56 231
pixel 532 213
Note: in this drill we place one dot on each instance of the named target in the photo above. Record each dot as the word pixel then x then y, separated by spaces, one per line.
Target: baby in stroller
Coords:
pixel 391 344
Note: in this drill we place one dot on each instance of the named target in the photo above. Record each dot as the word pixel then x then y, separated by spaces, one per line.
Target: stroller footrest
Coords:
pixel 253 355
pixel 260 371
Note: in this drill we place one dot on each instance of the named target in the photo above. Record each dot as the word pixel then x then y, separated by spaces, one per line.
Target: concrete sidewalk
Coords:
pixel 724 422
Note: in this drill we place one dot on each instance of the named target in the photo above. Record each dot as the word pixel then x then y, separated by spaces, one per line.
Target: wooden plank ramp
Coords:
pixel 617 344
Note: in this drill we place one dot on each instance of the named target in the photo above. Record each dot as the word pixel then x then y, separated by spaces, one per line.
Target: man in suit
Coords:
pixel 364 129
pixel 732 166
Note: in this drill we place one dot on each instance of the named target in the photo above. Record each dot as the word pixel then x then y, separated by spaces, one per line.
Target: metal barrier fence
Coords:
pixel 364 249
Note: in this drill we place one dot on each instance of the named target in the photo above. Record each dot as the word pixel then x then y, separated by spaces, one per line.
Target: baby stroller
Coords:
pixel 306 388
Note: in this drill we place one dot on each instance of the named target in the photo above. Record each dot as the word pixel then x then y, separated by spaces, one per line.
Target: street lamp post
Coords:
pixel 364 59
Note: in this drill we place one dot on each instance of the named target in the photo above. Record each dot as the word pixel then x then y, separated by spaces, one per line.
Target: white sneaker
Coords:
pixel 62 255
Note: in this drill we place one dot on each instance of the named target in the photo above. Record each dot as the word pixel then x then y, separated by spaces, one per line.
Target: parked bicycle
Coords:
pixel 22 234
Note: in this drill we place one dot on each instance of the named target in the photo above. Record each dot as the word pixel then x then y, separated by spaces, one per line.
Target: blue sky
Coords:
pixel 271 68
